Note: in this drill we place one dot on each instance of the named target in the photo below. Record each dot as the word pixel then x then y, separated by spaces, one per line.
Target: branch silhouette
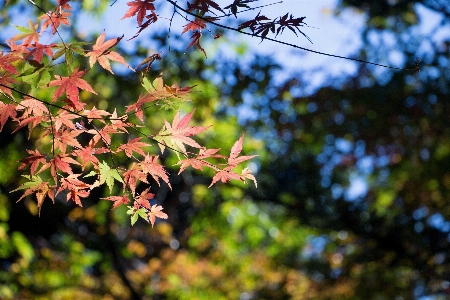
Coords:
pixel 208 20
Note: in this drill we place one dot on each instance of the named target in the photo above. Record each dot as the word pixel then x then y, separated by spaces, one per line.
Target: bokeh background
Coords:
pixel 353 197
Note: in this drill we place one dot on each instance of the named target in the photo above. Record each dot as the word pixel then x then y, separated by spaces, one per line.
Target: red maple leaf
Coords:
pixel 151 166
pixel 67 137
pixel 102 54
pixel 179 132
pixel 133 146
pixel 38 50
pixel 234 160
pixel 118 123
pixel 7 111
pixel 32 107
pixel 88 154
pixel 32 122
pixel 140 8
pixel 225 175
pixel 69 86
pixel 196 41
pixel 152 18
pixel 7 60
pixel 76 188
pixel 63 117
pixel 95 114
pixel 197 24
pixel 54 20
pixel 137 107
pixel 59 163
pixel 103 134
pixel 143 198
pixel 35 112
pixel 118 200
pixel 156 212
pixel 28 35
pixel 33 160
pixel 38 187
pixel 198 162
pixel 131 177
pixel 5 82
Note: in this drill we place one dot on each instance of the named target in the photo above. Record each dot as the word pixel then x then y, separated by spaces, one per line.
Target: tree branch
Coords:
pixel 281 42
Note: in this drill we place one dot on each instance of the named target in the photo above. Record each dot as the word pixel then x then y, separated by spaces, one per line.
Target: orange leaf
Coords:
pixel 70 85
pixel 7 111
pixel 156 212
pixel 118 200
pixel 140 8
pixel 102 54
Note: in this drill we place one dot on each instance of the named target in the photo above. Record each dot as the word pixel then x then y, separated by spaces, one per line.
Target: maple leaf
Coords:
pixel 143 199
pixel 131 177
pixel 54 20
pixel 152 167
pixel 38 50
pixel 63 117
pixel 156 212
pixel 95 114
pixel 197 24
pixel 102 54
pixel 7 60
pixel 7 111
pixel 28 35
pixel 133 146
pixel 118 200
pixel 88 154
pixel 103 134
pixel 137 107
pixel 238 3
pixel 69 86
pixel 118 123
pixel 67 137
pixel 76 194
pixel 198 162
pixel 59 162
pixel 33 160
pixel 31 121
pixel 196 41
pixel 203 5
pixel 32 107
pixel 140 8
pixel 76 188
pixel 5 82
pixel 246 173
pixel 136 213
pixel 35 113
pixel 39 187
pixel 107 175
pixel 292 24
pixel 152 18
pixel 179 133
pixel 225 175
pixel 234 160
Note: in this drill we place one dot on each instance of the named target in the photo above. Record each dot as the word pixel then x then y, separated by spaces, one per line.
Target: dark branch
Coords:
pixel 281 42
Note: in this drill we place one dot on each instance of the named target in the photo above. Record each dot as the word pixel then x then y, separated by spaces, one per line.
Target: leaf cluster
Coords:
pixel 75 150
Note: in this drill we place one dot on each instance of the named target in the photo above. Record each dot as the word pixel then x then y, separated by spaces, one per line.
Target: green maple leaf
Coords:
pixel 107 175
